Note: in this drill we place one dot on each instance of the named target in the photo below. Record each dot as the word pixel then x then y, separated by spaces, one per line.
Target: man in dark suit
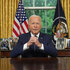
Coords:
pixel 34 43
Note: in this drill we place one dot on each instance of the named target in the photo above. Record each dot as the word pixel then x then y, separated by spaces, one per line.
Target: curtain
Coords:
pixel 66 7
pixel 7 14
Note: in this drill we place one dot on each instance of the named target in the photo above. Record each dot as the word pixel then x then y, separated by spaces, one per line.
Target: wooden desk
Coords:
pixel 59 63
pixel 64 53
pixel 5 53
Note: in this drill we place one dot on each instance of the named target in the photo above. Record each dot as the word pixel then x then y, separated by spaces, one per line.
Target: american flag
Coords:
pixel 20 22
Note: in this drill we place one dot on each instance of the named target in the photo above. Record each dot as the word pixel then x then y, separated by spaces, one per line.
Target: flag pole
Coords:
pixel 59 21
pixel 59 12
pixel 20 20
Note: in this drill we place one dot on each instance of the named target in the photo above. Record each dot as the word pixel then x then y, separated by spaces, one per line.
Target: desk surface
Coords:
pixel 59 63
pixel 64 53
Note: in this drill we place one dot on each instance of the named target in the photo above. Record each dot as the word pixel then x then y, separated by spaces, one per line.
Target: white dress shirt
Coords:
pixel 25 45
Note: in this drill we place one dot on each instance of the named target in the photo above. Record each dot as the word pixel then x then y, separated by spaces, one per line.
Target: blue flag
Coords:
pixel 59 28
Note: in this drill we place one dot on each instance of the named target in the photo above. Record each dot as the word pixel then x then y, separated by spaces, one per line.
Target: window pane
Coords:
pixel 46 15
pixel 39 3
pixel 43 30
pixel 28 3
pixel 49 19
pixel 51 2
pixel 50 16
pixel 41 13
pixel 29 13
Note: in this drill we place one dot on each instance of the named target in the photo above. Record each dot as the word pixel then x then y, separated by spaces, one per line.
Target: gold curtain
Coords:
pixel 7 14
pixel 66 7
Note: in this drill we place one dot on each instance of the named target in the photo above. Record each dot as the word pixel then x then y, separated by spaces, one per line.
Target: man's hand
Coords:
pixel 34 40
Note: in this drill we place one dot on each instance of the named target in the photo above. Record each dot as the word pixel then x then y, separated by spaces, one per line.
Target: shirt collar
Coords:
pixel 36 35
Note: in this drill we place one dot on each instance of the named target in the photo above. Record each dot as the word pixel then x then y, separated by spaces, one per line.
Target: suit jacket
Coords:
pixel 49 48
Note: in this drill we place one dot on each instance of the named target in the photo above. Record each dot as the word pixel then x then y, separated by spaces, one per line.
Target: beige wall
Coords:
pixel 7 14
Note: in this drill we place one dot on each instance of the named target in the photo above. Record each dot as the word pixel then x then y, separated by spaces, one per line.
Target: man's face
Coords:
pixel 35 24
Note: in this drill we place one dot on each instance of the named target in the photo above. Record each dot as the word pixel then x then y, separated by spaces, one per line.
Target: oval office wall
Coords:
pixel 8 10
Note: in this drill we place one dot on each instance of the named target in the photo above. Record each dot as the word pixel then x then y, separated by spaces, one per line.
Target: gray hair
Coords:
pixel 34 16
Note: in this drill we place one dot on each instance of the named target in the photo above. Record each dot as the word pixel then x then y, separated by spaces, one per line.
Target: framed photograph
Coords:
pixel 61 43
pixel 0 43
pixel 68 43
pixel 12 42
pixel 8 43
pixel 4 44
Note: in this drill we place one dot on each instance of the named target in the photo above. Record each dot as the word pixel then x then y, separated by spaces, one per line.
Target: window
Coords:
pixel 43 8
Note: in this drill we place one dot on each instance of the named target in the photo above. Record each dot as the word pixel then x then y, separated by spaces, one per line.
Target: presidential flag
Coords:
pixel 20 22
pixel 59 28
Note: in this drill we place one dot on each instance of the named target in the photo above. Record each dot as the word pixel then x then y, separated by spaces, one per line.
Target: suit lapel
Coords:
pixel 41 38
pixel 27 36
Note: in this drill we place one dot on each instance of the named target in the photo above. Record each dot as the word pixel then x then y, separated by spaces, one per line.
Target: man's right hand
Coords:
pixel 34 40
pixel 31 41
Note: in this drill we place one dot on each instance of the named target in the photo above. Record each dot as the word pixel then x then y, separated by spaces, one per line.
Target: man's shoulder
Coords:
pixel 23 35
pixel 45 34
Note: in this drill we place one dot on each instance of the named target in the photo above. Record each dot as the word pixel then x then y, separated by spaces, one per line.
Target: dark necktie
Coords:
pixel 35 47
pixel 35 35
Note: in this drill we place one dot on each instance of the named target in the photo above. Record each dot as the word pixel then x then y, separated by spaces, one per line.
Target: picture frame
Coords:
pixel 12 42
pixel 8 43
pixel 4 44
pixel 68 43
pixel 61 43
